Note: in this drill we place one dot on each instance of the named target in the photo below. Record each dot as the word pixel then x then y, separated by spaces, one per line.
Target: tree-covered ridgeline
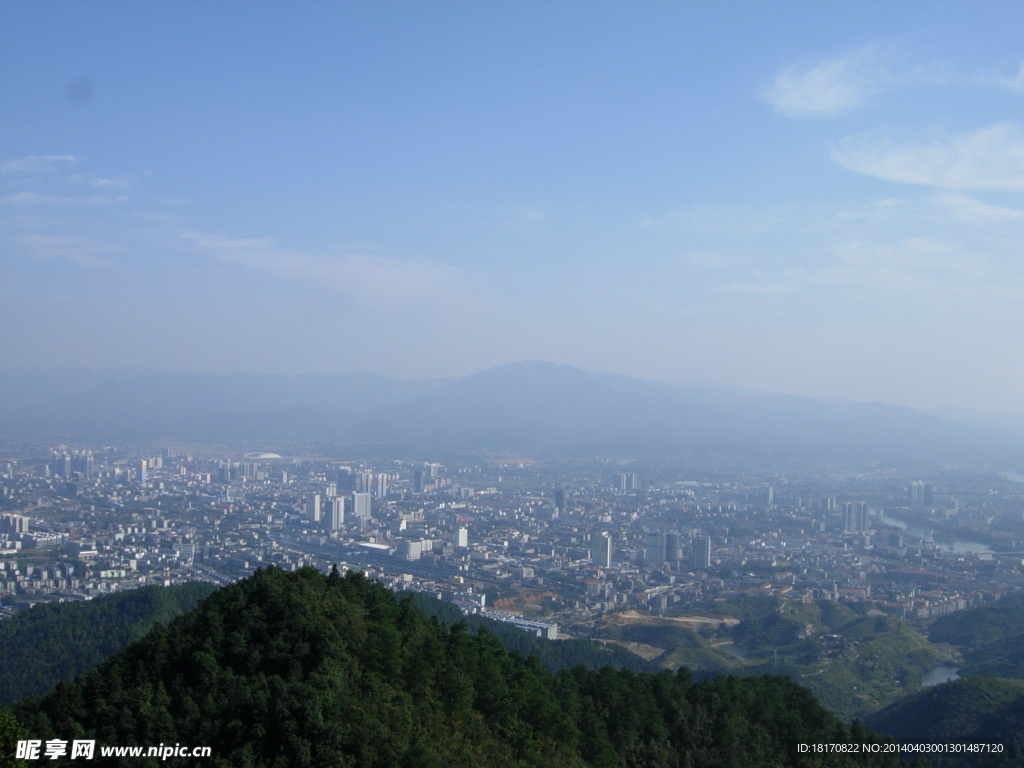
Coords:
pixel 56 641
pixel 303 669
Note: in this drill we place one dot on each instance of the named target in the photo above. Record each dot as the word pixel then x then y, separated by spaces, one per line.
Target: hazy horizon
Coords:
pixel 807 199
pixel 954 411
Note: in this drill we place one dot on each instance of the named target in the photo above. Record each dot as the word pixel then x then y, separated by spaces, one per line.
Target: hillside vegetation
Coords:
pixel 51 642
pixel 303 669
pixel 854 660
pixel 990 638
pixel 973 710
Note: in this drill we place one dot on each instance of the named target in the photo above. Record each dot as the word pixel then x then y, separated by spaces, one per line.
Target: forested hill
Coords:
pixel 973 710
pixel 303 669
pixel 990 637
pixel 56 641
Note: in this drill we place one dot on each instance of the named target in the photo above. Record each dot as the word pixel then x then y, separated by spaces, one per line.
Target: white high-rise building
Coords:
pixel 13 524
pixel 627 481
pixel 602 550
pixel 462 537
pixel 362 505
pixel 337 518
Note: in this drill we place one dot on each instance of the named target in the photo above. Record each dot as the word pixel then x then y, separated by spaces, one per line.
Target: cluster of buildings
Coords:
pixel 546 543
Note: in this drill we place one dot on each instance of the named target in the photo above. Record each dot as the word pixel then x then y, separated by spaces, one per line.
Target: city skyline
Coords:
pixel 815 200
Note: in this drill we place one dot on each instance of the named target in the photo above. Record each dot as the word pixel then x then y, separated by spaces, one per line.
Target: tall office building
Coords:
pixel 861 507
pixel 313 507
pixel 346 480
pixel 337 517
pixel 83 464
pixel 855 517
pixel 849 518
pixel 13 524
pixel 560 501
pixel 702 553
pixel 627 481
pixel 362 506
pixel 60 465
pixel 602 550
pixel 919 494
pixel 462 537
pixel 654 549
pixel 673 546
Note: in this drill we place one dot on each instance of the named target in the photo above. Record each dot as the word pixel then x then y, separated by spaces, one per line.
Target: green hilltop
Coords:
pixel 303 669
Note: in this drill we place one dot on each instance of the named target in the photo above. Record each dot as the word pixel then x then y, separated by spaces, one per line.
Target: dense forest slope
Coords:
pixel 972 710
pixel 990 638
pixel 302 669
pixel 56 641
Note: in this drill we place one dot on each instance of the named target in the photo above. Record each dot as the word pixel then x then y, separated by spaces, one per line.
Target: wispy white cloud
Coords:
pixel 989 158
pixel 26 198
pixel 87 253
pixel 842 83
pixel 222 243
pixel 362 278
pixel 1011 81
pixel 762 285
pixel 522 214
pixel 40 198
pixel 37 163
pixel 110 183
pixel 908 271
pixel 965 208
pixel 831 86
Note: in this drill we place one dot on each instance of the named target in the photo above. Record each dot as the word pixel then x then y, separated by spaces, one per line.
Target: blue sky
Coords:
pixel 815 198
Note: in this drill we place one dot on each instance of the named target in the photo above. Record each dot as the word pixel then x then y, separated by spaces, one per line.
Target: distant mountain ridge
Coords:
pixel 529 406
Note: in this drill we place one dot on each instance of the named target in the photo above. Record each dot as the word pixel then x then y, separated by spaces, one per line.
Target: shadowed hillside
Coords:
pixel 55 641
